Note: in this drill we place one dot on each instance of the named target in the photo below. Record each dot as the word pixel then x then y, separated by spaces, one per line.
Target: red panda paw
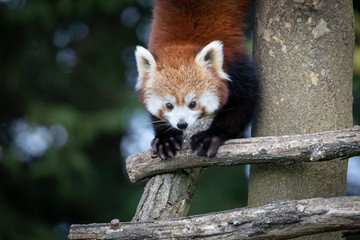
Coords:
pixel 206 143
pixel 166 145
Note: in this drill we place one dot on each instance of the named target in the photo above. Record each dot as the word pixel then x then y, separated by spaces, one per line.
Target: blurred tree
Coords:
pixel 65 100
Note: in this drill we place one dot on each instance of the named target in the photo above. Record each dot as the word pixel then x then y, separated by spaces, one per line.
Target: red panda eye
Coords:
pixel 169 106
pixel 192 104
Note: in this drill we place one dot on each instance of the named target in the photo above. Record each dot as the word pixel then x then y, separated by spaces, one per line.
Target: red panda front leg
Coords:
pixel 207 143
pixel 167 140
pixel 229 123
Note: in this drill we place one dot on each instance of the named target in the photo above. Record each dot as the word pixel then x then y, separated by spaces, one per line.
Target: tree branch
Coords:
pixel 314 147
pixel 168 195
pixel 280 220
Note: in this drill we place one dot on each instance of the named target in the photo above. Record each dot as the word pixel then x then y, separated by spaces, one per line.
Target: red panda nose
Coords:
pixel 182 124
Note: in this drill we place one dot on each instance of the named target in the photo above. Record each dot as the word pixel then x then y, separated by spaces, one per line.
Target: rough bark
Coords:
pixel 169 195
pixel 280 220
pixel 284 150
pixel 304 53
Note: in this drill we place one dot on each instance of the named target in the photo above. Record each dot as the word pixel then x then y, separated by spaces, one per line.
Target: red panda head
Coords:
pixel 182 84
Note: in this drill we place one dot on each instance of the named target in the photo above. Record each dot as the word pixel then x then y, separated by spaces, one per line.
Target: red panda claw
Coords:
pixel 175 143
pixel 160 152
pixel 154 144
pixel 206 144
pixel 166 146
pixel 213 147
pixel 199 149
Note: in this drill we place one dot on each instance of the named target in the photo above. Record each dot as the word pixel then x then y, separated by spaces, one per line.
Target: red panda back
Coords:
pixel 198 22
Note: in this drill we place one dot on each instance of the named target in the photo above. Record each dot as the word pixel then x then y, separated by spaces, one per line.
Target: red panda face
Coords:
pixel 182 85
pixel 180 115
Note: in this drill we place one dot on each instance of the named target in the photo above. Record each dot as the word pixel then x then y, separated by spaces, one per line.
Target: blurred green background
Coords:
pixel 69 116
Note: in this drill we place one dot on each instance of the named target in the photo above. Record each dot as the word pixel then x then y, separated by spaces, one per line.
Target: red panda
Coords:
pixel 196 64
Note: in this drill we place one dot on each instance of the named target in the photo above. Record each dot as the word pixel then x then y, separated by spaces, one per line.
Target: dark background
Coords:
pixel 69 116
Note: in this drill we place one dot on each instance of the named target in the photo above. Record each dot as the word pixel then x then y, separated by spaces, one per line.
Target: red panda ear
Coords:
pixel 212 56
pixel 145 63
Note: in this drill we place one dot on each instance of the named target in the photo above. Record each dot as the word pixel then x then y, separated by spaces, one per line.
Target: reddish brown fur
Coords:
pixel 188 76
pixel 180 29
pixel 199 22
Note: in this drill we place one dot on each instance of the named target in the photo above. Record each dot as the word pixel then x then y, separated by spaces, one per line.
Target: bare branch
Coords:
pixel 280 220
pixel 168 195
pixel 321 146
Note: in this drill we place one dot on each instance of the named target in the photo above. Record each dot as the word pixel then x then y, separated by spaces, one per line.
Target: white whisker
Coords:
pixel 170 128
pixel 158 121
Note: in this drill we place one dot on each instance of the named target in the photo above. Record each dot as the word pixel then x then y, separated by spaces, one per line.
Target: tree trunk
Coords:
pixel 304 53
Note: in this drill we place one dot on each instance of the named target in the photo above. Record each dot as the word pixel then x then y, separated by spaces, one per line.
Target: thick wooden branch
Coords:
pixel 279 220
pixel 321 146
pixel 168 195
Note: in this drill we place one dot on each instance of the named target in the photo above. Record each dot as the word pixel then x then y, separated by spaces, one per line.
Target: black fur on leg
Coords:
pixel 206 143
pixel 167 139
pixel 236 114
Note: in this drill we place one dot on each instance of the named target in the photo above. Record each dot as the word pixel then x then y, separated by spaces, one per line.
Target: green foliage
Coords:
pixel 83 180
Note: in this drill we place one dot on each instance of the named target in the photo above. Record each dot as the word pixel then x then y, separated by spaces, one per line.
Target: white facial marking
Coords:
pixel 153 104
pixel 182 113
pixel 169 99
pixel 210 101
pixel 189 98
